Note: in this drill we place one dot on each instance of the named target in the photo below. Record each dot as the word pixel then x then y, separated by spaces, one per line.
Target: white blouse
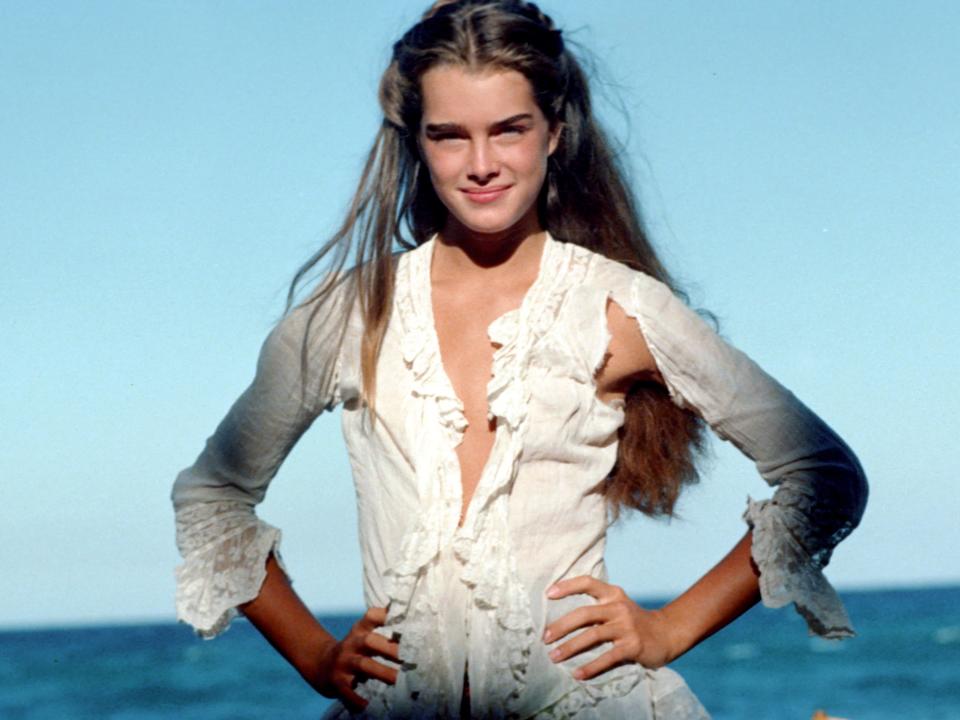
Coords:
pixel 474 596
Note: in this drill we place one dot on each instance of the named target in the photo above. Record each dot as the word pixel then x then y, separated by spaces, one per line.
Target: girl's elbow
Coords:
pixel 859 489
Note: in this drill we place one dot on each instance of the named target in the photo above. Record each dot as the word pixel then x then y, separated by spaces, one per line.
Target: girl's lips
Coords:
pixel 485 195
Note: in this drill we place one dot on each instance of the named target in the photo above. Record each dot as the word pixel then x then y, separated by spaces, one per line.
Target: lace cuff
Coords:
pixel 788 572
pixel 225 549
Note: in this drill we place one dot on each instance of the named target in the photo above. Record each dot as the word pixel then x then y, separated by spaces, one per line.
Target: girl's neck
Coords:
pixel 462 252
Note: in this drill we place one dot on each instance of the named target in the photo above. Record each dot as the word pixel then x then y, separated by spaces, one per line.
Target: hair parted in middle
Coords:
pixel 585 200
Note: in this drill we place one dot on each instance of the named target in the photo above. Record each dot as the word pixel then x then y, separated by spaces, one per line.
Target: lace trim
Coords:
pixel 419 346
pixel 225 549
pixel 421 354
pixel 588 695
pixel 670 697
pixel 413 602
pixel 788 573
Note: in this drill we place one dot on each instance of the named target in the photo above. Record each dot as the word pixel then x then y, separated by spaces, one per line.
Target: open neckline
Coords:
pixel 499 346
pixel 531 291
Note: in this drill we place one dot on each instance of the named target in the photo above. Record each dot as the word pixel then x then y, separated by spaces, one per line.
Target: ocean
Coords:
pixel 904 663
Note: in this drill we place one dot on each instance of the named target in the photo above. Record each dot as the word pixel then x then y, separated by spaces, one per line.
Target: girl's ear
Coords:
pixel 554 140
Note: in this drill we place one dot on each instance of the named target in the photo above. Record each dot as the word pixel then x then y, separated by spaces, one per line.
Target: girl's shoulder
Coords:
pixel 629 287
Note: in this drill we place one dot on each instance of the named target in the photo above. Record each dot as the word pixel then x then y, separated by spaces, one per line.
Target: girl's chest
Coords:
pixel 479 376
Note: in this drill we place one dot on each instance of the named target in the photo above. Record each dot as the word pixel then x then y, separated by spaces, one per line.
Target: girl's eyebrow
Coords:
pixel 454 127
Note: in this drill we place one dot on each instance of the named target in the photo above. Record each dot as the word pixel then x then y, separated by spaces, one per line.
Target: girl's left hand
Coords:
pixel 638 635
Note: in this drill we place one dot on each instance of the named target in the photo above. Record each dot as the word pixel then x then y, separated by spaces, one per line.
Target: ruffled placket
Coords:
pixel 501 631
pixel 436 425
pixel 501 625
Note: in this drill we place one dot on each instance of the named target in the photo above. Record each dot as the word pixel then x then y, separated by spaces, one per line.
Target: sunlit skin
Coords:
pixel 486 144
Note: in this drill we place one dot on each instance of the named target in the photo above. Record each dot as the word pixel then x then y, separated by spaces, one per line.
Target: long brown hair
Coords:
pixel 585 200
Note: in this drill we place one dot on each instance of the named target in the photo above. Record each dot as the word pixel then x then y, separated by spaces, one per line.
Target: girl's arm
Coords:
pixel 224 544
pixel 230 556
pixel 727 591
pixel 820 495
pixel 654 638
pixel 820 487
pixel 284 620
pixel 329 666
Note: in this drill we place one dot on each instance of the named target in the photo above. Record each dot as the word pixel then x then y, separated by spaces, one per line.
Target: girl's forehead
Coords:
pixel 452 93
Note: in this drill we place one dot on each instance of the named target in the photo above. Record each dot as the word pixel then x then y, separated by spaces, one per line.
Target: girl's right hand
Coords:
pixel 351 661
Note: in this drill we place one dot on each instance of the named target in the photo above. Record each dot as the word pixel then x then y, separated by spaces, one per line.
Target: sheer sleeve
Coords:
pixel 821 489
pixel 223 543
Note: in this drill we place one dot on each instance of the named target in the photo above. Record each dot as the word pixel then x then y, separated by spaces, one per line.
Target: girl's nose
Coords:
pixel 483 163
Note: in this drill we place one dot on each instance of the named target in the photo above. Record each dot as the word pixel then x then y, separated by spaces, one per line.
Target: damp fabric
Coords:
pixel 474 596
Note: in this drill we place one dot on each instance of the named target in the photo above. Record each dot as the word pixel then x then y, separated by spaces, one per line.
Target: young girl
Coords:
pixel 516 375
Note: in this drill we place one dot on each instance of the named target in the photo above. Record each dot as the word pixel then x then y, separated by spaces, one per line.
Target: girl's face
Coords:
pixel 485 143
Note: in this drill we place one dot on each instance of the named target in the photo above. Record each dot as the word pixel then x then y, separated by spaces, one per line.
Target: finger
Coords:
pixel 570 586
pixel 371 668
pixel 584 641
pixel 379 644
pixel 581 617
pixel 585 584
pixel 376 615
pixel 351 699
pixel 611 658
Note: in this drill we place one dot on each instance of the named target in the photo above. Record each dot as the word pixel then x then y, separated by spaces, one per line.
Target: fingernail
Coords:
pixel 555 654
pixel 547 636
pixel 578 674
pixel 553 592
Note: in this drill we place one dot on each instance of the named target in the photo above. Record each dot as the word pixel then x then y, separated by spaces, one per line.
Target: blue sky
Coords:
pixel 165 167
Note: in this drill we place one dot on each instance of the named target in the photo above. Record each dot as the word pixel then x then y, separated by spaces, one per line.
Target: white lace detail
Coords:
pixel 670 697
pixel 585 695
pixel 788 572
pixel 413 605
pixel 225 549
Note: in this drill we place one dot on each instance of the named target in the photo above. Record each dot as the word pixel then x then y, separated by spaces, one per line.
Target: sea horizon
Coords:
pixel 903 663
pixel 653 600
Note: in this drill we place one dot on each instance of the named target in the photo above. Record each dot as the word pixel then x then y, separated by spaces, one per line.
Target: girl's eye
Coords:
pixel 443 136
pixel 514 130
